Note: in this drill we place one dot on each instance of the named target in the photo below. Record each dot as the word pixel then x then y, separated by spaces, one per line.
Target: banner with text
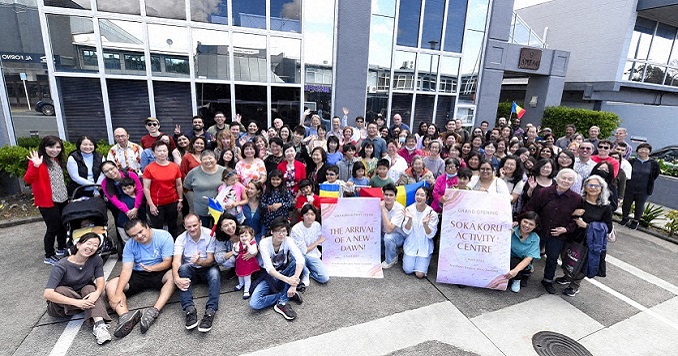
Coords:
pixel 352 230
pixel 475 239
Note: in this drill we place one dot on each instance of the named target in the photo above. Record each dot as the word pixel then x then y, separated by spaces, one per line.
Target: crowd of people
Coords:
pixel 268 181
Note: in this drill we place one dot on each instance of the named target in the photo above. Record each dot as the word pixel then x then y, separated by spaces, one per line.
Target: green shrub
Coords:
pixel 650 213
pixel 668 168
pixel 14 160
pixel 28 142
pixel 556 117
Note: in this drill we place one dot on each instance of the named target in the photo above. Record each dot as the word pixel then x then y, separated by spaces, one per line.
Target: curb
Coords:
pixel 10 223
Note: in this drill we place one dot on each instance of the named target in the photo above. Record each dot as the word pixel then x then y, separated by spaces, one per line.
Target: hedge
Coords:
pixel 556 117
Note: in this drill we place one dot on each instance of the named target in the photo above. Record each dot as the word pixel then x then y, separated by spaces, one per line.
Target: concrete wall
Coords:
pixel 596 33
pixel 353 42
pixel 656 123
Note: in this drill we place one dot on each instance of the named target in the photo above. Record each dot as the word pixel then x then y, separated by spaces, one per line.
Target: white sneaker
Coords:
pixel 515 286
pixel 101 333
pixel 386 265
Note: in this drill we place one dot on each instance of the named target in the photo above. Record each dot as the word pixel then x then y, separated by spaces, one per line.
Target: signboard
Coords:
pixel 475 239
pixel 530 58
pixel 21 57
pixel 352 230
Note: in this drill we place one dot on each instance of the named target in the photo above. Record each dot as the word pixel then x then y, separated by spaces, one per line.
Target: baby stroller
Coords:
pixel 88 214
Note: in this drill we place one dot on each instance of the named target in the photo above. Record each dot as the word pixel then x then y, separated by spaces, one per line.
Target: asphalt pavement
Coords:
pixel 633 311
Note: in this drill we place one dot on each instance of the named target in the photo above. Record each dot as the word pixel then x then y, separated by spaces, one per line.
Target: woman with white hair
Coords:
pixel 596 209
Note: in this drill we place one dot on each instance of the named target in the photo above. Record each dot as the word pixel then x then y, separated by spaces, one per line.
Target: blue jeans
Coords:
pixel 263 297
pixel 391 243
pixel 209 275
pixel 316 269
pixel 413 264
pixel 553 248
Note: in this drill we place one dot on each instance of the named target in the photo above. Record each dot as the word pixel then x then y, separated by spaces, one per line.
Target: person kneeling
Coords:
pixel 420 225
pixel 524 249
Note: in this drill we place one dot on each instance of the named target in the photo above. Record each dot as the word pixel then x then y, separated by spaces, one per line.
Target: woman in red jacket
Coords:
pixel 293 171
pixel 46 176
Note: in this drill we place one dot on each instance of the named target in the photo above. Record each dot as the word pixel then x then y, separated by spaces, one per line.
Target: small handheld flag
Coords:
pixel 516 109
pixel 215 210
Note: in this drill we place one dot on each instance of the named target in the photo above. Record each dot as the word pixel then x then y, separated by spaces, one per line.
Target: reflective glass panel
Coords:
pixel 170 9
pixel 671 77
pixel 408 23
pixel 402 104
pixel 169 50
pixel 318 100
pixel 633 71
pixel 654 74
pixel 250 103
pixel 286 15
pixel 249 13
pixel 120 6
pixel 381 42
pixel 285 104
pixel 383 7
pixel 476 16
pixel 466 114
pixel 470 66
pixel 423 109
pixel 427 71
pixel 212 11
pixel 642 36
pixel 73 43
pixel 661 44
pixel 431 32
pixel 249 57
pixel 285 60
pixel 454 30
pixel 211 54
pixel 72 4
pixel 449 74
pixel 212 98
pixel 122 40
pixel 444 110
pixel 318 32
pixel 403 73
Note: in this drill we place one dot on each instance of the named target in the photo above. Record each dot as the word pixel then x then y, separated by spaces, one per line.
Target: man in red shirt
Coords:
pixel 153 128
pixel 604 148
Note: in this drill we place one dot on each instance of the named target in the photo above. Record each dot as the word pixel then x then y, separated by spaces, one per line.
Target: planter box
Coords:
pixel 665 192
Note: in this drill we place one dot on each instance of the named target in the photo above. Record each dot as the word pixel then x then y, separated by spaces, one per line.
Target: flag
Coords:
pixel 329 193
pixel 371 193
pixel 405 194
pixel 515 109
pixel 215 210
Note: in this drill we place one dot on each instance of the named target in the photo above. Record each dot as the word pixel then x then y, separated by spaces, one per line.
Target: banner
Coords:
pixel 352 230
pixel 475 239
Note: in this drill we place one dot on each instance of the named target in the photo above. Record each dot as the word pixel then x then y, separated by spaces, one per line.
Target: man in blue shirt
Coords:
pixel 376 140
pixel 398 122
pixel 194 262
pixel 146 263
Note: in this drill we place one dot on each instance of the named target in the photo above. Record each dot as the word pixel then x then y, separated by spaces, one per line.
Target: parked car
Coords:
pixel 46 107
pixel 667 154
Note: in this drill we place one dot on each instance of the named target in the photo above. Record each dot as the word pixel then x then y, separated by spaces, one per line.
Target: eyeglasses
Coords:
pixel 152 124
pixel 359 121
pixel 330 174
pixel 280 232
pixel 120 136
pixel 603 147
pixel 593 186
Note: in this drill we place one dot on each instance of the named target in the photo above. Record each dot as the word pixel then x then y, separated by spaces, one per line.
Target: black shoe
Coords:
pixel 549 287
pixel 206 322
pixel 126 323
pixel 624 221
pixel 562 280
pixel 301 288
pixel 570 292
pixel 191 318
pixel 286 311
pixel 523 282
pixel 297 298
pixel 148 318
pixel 633 224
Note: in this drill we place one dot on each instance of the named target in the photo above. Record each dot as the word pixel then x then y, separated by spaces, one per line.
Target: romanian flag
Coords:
pixel 215 210
pixel 405 195
pixel 515 109
pixel 329 193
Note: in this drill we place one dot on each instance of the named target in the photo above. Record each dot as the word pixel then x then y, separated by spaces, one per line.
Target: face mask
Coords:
pixel 450 176
pixel 600 173
pixel 401 139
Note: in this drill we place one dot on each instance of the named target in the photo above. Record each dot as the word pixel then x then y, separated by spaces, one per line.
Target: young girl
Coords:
pixel 232 195
pixel 277 200
pixel 524 249
pixel 245 263
pixel 358 177
pixel 129 197
pixel 368 159
pixel 333 153
pixel 227 158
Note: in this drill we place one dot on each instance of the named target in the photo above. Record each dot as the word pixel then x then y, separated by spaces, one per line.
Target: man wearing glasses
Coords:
pixel 604 147
pixel 583 164
pixel 125 154
pixel 153 128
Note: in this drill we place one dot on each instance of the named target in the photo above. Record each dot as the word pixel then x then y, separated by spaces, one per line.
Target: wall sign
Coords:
pixel 530 58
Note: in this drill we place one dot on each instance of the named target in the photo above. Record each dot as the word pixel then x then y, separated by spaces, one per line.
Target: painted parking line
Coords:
pixel 68 335
pixel 642 274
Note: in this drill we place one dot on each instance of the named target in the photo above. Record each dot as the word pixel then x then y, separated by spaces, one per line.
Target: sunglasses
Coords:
pixel 603 147
pixel 593 186
pixel 585 148
pixel 152 124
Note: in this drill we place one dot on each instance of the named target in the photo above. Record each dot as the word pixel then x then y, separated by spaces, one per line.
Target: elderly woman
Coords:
pixel 444 182
pixel 204 181
pixel 398 164
pixel 419 225
pixel 162 188
pixel 251 167
pixel 76 285
pixel 84 166
pixel 641 184
pixel 596 209
pixel 486 181
pixel 416 173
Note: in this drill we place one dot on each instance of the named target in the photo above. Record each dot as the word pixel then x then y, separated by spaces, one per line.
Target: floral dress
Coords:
pixel 254 171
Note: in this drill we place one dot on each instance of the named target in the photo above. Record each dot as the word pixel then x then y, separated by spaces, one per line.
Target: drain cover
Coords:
pixel 548 343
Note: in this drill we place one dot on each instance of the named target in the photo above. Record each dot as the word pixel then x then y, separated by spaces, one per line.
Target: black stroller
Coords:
pixel 84 215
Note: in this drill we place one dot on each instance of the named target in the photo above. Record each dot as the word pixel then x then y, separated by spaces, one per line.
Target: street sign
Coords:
pixel 23 76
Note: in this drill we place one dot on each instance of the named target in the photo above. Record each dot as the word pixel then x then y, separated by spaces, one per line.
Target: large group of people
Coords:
pixel 267 182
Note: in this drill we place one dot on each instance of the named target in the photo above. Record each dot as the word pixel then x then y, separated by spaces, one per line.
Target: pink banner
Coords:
pixel 352 230
pixel 475 239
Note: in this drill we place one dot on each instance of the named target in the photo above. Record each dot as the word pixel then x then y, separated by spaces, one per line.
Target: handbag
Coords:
pixel 574 259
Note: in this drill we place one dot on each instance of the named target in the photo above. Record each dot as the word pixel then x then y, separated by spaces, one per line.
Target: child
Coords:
pixel 245 267
pixel 232 195
pixel 358 178
pixel 307 235
pixel 333 153
pixel 306 196
pixel 381 178
pixel 369 161
pixel 332 175
pixel 128 197
pixel 277 200
pixel 463 177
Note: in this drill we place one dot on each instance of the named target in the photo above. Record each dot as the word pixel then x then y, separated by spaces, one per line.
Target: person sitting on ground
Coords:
pixel 76 284
pixel 193 262
pixel 524 249
pixel 226 235
pixel 146 264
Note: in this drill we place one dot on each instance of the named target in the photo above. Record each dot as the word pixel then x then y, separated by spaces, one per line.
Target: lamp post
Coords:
pixel 432 44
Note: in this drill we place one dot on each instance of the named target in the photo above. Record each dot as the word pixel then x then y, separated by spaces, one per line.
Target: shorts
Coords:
pixel 142 280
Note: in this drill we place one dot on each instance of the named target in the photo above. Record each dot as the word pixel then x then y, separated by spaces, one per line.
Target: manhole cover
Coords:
pixel 548 343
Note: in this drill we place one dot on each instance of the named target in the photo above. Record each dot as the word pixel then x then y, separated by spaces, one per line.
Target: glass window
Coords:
pixel 444 110
pixel 476 18
pixel 521 33
pixel 128 101
pixel 156 65
pixel 381 42
pixel 209 11
pixel 661 44
pixel 120 6
pixel 135 62
pixel 402 104
pixel 83 107
pixel 318 35
pixel 73 43
pixel 285 104
pixel 408 23
pixel 427 71
pixel 121 36
pixel 170 9
pixel 211 54
pixel 454 30
pixel 641 38
pixel 285 60
pixel 286 15
pixel 249 13
pixel 466 114
pixel 633 71
pixel 671 77
pixel 449 74
pixel 73 4
pixel 176 65
pixel 318 100
pixel 169 50
pixel 112 61
pixel 431 33
pixel 249 57
pixel 403 73
pixel 423 109
pixel 654 74
pixel 212 98
pixel 250 103
pixel 470 65
pixel 383 7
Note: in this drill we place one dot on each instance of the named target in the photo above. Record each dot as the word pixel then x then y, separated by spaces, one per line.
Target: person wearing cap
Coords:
pixel 198 131
pixel 153 127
